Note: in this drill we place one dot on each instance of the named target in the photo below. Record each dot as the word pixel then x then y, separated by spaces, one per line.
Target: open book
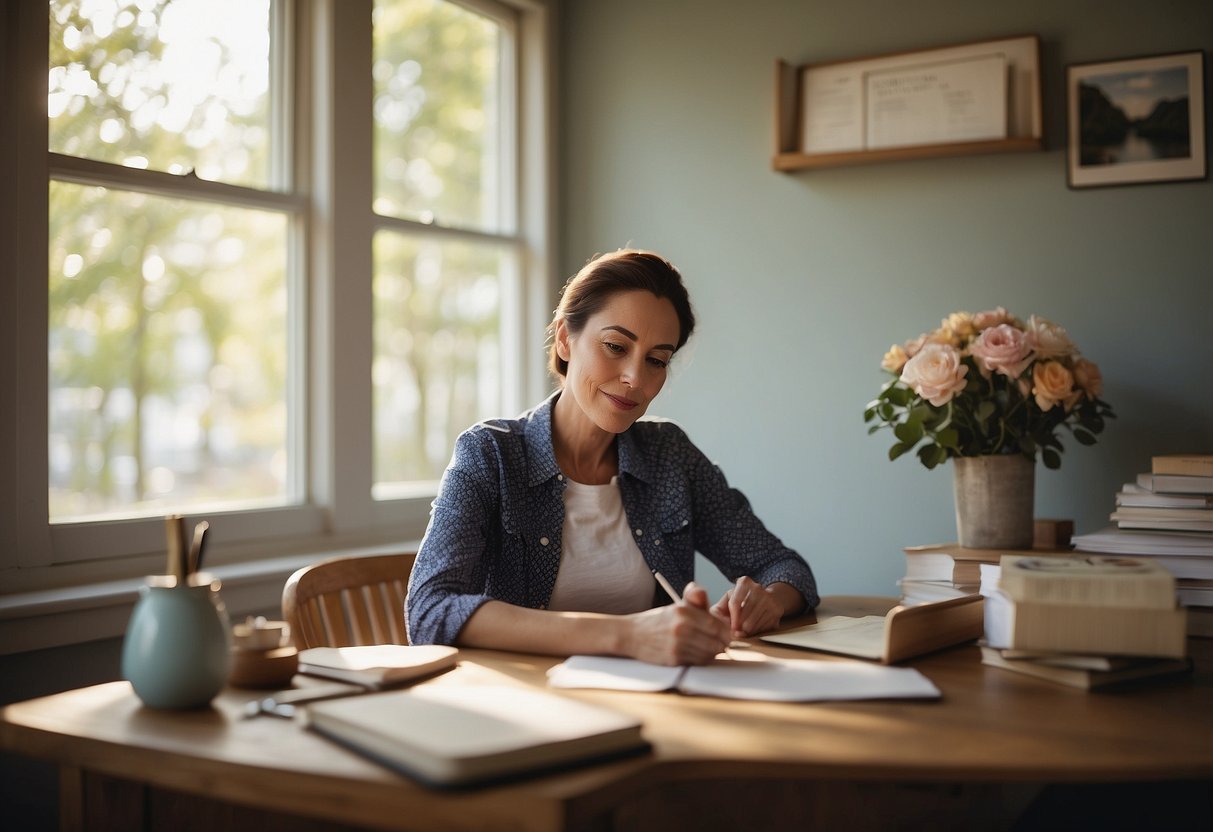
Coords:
pixel 903 633
pixel 751 676
pixel 449 735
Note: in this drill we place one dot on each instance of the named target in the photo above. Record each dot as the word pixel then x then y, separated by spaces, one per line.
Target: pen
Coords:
pixel 676 598
pixel 669 590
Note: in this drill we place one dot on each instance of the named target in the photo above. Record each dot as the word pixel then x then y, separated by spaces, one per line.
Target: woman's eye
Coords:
pixel 613 347
pixel 657 362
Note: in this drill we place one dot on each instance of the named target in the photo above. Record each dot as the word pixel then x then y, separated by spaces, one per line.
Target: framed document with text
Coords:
pixel 968 98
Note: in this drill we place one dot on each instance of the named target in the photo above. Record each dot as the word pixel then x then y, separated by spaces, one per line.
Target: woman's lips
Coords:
pixel 621 403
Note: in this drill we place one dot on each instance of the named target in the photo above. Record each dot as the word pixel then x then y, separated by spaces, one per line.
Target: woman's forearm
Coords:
pixel 500 626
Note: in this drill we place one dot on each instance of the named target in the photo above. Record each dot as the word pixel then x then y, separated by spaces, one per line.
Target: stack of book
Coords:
pixel 1167 515
pixel 936 573
pixel 1083 621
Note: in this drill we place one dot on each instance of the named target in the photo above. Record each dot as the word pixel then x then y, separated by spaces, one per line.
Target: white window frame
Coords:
pixel 43 567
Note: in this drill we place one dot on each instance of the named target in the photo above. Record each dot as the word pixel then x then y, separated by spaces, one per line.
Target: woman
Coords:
pixel 548 529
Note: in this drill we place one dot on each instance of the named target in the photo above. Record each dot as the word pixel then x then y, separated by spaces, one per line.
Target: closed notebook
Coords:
pixel 1089 581
pixel 1086 678
pixel 377 665
pixel 447 735
pixel 1073 628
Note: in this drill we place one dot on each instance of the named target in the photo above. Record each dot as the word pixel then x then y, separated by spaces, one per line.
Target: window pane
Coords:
pixel 437 366
pixel 168 354
pixel 436 69
pixel 173 86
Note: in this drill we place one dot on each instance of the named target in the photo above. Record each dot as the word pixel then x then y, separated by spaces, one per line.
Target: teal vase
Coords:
pixel 177 649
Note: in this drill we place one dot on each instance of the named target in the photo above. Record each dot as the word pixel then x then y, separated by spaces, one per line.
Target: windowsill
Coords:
pixel 48 618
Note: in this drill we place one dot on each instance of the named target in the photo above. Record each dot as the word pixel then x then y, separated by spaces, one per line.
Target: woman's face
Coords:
pixel 617 363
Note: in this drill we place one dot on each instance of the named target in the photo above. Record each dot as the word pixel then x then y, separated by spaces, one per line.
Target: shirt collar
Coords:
pixel 541 458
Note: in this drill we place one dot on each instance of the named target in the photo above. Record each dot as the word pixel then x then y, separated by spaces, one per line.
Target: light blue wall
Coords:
pixel 801 281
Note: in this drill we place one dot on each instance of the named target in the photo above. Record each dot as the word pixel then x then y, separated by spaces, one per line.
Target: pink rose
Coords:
pixel 1003 349
pixel 1047 339
pixel 1053 384
pixel 993 317
pixel 935 373
pixel 1088 378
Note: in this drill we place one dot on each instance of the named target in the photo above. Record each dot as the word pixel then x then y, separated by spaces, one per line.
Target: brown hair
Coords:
pixel 606 275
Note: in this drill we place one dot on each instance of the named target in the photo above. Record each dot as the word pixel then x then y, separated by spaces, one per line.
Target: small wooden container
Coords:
pixel 261 654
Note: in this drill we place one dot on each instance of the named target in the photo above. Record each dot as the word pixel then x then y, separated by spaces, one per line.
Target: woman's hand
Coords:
pixel 749 608
pixel 677 634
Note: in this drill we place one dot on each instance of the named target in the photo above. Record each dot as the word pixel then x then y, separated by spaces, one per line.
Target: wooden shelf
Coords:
pixel 1024 119
pixel 799 161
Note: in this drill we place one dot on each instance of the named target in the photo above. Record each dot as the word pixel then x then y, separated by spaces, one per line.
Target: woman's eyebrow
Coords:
pixel 632 336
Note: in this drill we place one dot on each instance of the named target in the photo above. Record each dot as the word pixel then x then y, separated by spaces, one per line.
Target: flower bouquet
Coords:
pixel 988 384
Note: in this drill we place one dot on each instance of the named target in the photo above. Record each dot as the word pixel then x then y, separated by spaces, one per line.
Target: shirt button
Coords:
pixel 639 532
pixel 686 522
pixel 657 542
pixel 543 541
pixel 560 477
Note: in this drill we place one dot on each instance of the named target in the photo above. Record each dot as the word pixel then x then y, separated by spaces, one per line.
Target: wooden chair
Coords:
pixel 348 601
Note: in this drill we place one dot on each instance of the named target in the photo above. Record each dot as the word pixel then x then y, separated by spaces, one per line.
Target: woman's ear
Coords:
pixel 562 340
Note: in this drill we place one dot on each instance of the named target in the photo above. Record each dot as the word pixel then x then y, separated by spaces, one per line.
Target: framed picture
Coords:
pixel 1136 120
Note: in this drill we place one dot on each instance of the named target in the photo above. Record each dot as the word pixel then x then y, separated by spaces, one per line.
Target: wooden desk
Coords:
pixel 970 760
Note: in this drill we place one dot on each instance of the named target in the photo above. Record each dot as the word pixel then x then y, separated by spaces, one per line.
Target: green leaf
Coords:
pixel 899 396
pixel 1083 437
pixel 908 432
pixel 932 455
pixel 948 438
pixel 1051 458
pixel 984 410
pixel 898 449
pixel 874 428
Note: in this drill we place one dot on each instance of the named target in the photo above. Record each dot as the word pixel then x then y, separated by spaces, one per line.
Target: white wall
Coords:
pixel 801 281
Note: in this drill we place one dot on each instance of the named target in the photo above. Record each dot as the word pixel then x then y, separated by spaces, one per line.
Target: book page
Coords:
pixel 806 680
pixel 863 637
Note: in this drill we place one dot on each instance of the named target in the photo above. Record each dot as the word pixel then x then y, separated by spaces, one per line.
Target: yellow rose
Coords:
pixel 1053 384
pixel 894 359
pixel 959 328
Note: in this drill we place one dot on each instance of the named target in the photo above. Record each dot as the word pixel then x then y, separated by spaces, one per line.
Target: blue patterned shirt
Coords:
pixel 495 528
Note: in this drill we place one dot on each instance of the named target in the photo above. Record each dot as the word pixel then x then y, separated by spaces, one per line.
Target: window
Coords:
pixel 170 374
pixel 284 256
pixel 444 251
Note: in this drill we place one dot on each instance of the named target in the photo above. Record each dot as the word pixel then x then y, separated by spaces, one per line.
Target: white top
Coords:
pixel 601 568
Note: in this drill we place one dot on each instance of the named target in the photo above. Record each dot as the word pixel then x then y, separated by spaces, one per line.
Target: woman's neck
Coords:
pixel 585 452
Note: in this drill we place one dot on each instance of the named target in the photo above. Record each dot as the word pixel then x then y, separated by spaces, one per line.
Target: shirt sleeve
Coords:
pixel 448 580
pixel 730 535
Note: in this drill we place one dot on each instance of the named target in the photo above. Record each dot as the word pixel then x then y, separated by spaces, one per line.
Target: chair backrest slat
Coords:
pixel 348 601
